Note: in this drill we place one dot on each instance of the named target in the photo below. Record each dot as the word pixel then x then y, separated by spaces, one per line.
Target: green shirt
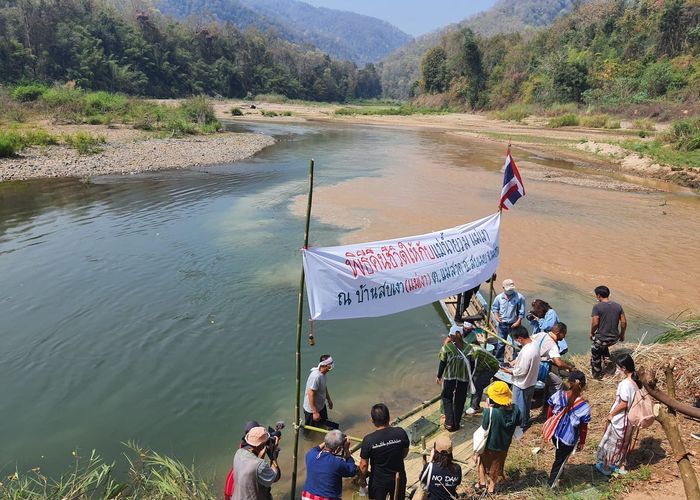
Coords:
pixel 505 420
pixel 455 368
pixel 485 361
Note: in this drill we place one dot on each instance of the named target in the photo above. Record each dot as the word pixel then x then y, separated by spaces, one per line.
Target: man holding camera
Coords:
pixel 253 476
pixel 316 395
pixel 326 466
pixel 508 309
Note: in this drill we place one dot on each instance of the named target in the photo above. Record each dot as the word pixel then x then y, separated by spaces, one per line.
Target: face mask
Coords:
pixel 509 292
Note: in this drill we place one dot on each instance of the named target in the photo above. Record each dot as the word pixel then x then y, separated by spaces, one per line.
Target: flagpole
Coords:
pixel 300 314
pixel 493 277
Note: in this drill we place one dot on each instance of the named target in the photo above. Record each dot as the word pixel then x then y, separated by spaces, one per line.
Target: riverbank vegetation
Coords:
pixel 149 476
pixel 137 52
pixel 24 109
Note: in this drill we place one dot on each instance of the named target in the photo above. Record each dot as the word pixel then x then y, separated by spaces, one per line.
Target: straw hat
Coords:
pixel 500 393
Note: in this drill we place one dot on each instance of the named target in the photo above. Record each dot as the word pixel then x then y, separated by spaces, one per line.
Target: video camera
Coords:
pixel 275 433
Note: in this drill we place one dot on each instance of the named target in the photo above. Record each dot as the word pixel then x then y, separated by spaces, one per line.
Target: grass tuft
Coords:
pixel 568 120
pixel 85 143
pixel 681 330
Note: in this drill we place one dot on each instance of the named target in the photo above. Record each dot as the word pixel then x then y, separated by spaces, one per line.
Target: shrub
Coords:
pixel 514 112
pixel 685 134
pixel 198 109
pixel 568 120
pixel 287 113
pixel 10 144
pixel 38 137
pixel 28 93
pixel 62 96
pixel 270 114
pixel 178 126
pixel 561 109
pixel 85 143
pixel 236 112
pixel 98 103
pixel 644 124
pixel 594 121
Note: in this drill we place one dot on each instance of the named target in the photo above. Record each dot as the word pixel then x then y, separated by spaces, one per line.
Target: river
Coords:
pixel 161 307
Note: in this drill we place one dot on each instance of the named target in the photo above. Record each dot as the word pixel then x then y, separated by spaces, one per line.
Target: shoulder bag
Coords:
pixel 481 436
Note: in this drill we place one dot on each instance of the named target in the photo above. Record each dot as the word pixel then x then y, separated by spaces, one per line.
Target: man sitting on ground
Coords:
pixel 384 449
pixel 326 466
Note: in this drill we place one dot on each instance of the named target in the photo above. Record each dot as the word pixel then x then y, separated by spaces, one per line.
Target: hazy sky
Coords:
pixel 412 16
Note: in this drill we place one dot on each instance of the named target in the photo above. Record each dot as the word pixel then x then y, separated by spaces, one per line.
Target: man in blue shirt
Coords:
pixel 326 466
pixel 508 311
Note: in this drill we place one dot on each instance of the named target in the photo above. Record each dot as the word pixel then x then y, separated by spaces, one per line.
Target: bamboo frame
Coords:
pixel 300 314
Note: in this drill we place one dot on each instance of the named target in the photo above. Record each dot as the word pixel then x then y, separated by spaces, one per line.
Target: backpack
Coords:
pixel 228 487
pixel 641 413
pixel 550 426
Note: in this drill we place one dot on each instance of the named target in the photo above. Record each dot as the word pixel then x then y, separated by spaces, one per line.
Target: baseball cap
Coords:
pixel 454 330
pixel 468 326
pixel 508 284
pixel 443 443
pixel 257 436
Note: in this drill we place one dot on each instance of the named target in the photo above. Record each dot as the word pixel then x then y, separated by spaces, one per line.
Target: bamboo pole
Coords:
pixel 300 314
pixel 324 431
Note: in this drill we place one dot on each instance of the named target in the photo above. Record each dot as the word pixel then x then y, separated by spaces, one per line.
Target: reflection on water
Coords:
pixel 161 307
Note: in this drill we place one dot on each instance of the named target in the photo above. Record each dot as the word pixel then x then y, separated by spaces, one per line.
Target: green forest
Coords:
pixel 610 54
pixel 97 47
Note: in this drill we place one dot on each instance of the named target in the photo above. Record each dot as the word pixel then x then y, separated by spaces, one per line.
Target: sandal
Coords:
pixel 479 486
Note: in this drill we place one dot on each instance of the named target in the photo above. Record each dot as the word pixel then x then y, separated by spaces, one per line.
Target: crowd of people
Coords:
pixel 467 369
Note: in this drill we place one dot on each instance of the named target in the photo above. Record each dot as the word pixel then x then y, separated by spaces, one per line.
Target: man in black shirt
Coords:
pixel 384 449
pixel 605 318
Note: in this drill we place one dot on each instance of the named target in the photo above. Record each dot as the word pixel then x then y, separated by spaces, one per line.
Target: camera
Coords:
pixel 531 316
pixel 275 435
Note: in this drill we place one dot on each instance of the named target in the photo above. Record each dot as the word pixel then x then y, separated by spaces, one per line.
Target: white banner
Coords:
pixel 386 277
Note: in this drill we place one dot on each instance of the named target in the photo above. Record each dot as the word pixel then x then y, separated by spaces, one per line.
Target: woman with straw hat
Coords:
pixel 502 418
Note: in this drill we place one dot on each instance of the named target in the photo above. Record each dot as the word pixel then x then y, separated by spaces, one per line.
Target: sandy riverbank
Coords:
pixel 129 151
pixel 596 149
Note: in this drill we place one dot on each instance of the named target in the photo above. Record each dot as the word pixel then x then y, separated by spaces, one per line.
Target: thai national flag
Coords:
pixel 513 188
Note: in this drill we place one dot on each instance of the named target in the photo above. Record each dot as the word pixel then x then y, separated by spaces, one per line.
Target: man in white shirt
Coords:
pixel 525 370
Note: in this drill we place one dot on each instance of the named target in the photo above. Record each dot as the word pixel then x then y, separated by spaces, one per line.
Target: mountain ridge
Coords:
pixel 341 34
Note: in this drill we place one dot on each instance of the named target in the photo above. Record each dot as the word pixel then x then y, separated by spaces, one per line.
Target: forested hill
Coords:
pixel 402 68
pixel 343 35
pixel 606 54
pixel 95 46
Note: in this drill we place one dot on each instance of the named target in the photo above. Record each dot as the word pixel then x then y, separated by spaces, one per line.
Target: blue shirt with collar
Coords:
pixel 506 307
pixel 325 472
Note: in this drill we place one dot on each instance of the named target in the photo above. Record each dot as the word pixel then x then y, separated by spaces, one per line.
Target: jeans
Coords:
pixel 482 380
pixel 562 452
pixel 503 332
pixel 454 397
pixel 522 398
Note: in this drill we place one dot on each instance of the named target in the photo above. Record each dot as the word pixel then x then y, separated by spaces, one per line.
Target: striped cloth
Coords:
pixel 567 430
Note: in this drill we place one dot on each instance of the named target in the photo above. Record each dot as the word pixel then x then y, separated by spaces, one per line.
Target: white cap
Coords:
pixel 455 329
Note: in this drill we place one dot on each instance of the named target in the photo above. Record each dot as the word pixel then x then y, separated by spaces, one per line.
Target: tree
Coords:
pixel 434 77
pixel 369 85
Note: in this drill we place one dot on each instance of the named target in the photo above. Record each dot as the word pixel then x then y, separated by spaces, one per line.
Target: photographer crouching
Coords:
pixel 253 476
pixel 326 466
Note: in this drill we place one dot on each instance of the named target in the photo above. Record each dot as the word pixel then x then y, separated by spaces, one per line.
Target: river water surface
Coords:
pixel 161 307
